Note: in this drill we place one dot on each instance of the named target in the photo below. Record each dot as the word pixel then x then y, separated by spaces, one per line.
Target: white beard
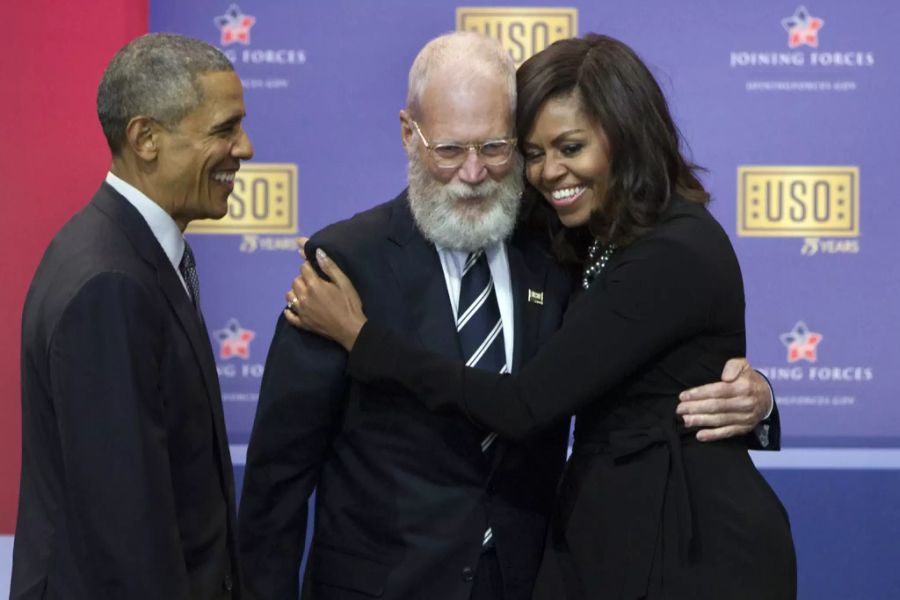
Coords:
pixel 459 216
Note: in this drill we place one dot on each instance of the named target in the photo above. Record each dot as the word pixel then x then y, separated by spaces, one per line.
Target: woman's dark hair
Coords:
pixel 618 94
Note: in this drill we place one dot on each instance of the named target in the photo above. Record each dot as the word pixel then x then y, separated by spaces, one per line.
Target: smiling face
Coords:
pixel 473 205
pixel 567 159
pixel 198 157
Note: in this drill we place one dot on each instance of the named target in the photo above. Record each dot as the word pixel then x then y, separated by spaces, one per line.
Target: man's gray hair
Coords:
pixel 157 76
pixel 464 54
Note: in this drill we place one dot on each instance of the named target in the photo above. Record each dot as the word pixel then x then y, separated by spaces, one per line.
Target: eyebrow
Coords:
pixel 228 124
pixel 557 139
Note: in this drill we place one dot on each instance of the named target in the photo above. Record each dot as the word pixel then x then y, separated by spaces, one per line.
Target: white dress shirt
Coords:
pixel 160 222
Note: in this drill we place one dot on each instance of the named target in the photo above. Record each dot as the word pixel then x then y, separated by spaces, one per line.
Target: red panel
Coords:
pixel 52 158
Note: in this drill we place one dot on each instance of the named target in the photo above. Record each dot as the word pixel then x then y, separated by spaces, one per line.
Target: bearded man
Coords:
pixel 410 504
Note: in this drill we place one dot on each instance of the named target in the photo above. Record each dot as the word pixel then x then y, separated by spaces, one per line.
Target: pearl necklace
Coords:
pixel 596 260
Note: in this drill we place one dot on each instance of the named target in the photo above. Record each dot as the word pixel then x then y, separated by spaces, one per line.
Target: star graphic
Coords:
pixel 802 28
pixel 235 26
pixel 801 343
pixel 234 340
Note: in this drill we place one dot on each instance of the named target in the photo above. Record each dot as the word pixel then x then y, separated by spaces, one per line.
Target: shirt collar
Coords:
pixel 160 222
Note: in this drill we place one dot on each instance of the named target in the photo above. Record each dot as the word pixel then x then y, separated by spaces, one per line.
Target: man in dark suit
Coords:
pixel 410 504
pixel 127 488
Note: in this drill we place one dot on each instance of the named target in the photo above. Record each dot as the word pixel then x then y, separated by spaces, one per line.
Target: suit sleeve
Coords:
pixel 104 374
pixel 767 434
pixel 299 412
pixel 654 298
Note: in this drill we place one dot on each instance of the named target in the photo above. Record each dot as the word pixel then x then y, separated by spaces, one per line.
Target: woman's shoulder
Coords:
pixel 687 238
pixel 690 225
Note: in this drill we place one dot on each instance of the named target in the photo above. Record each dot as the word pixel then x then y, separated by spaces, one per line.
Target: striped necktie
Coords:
pixel 480 331
pixel 478 322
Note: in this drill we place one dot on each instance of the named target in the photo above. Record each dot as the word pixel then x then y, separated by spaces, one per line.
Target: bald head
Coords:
pixel 460 59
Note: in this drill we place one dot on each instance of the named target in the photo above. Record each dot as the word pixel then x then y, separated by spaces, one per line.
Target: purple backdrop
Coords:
pixel 792 111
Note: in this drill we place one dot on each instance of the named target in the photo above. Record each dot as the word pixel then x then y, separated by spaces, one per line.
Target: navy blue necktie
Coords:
pixel 188 269
pixel 480 331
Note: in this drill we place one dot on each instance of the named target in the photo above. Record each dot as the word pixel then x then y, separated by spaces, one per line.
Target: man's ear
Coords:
pixel 142 137
pixel 406 129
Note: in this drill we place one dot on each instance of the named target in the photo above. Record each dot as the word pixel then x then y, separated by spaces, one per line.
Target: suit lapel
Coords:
pixel 528 275
pixel 122 212
pixel 518 276
pixel 417 268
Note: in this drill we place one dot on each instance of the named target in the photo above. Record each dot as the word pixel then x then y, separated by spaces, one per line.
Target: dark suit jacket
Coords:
pixel 403 496
pixel 127 487
pixel 644 510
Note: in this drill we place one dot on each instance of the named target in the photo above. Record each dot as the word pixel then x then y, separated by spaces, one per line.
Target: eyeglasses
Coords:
pixel 451 156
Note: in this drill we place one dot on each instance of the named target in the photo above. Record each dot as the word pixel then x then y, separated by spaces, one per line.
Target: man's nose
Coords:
pixel 472 170
pixel 243 149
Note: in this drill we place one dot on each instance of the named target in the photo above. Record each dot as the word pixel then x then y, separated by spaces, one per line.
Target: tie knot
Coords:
pixel 474 258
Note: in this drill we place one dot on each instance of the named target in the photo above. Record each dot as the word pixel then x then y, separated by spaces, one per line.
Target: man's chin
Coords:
pixel 220 209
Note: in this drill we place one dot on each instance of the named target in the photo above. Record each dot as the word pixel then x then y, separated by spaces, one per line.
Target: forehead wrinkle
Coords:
pixel 468 115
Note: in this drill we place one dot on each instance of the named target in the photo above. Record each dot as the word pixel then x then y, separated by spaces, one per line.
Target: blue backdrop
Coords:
pixel 793 111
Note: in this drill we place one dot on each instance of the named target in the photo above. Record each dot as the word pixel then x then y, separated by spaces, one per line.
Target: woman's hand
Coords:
pixel 331 309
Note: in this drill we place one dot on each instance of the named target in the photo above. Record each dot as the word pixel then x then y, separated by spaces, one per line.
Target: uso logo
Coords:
pixel 523 31
pixel 792 201
pixel 264 200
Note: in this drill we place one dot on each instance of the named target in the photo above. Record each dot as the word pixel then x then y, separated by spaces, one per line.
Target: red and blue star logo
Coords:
pixel 801 343
pixel 803 28
pixel 234 340
pixel 235 26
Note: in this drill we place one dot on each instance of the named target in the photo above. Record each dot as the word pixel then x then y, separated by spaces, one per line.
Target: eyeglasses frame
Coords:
pixel 476 146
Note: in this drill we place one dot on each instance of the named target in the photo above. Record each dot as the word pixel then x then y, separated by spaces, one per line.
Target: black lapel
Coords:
pixel 518 276
pixel 527 278
pixel 145 244
pixel 528 272
pixel 419 274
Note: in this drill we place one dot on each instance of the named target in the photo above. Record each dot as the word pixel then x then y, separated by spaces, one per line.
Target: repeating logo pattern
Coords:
pixel 523 31
pixel 801 343
pixel 264 201
pixel 234 340
pixel 803 28
pixel 234 26
pixel 798 201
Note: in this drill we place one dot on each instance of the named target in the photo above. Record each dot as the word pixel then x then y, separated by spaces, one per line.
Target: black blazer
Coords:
pixel 403 496
pixel 644 510
pixel 127 488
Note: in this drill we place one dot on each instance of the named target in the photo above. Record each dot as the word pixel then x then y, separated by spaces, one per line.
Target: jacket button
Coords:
pixel 468 575
pixel 227 584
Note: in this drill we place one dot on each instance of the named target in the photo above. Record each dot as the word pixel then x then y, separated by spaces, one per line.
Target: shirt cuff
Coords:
pixel 771 396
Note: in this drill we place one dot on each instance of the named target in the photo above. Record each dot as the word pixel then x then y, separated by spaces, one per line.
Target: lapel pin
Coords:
pixel 536 297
